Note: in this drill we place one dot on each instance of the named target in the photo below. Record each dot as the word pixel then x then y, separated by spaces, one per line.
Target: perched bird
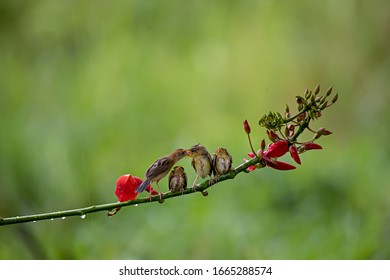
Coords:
pixel 222 162
pixel 177 179
pixel 160 168
pixel 201 162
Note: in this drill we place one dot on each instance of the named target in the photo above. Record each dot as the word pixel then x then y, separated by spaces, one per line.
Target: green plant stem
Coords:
pixel 305 108
pixel 250 143
pixel 301 128
pixel 80 212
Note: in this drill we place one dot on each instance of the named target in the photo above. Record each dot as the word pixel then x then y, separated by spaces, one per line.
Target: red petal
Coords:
pixel 251 154
pixel 294 154
pixel 125 187
pixel 312 146
pixel 280 165
pixel 277 149
pixel 251 168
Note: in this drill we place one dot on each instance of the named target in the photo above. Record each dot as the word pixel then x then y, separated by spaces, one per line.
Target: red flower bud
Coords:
pixel 277 149
pixel 262 145
pixel 294 154
pixel 312 146
pixel 251 168
pixel 272 136
pixel 326 132
pixel 247 128
pixel 280 165
pixel 251 155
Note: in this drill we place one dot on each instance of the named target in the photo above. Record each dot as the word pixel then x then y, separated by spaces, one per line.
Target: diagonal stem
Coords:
pixel 81 212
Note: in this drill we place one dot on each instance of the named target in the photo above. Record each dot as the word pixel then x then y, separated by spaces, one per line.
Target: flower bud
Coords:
pixel 335 98
pixel 287 112
pixel 312 146
pixel 286 131
pixel 324 105
pixel 301 117
pixel 329 91
pixel 307 94
pixel 262 145
pixel 317 90
pixel 301 149
pixel 247 128
pixel 272 135
pixel 299 99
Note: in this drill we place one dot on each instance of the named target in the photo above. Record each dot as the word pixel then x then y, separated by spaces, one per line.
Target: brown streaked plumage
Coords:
pixel 201 162
pixel 160 168
pixel 177 179
pixel 222 162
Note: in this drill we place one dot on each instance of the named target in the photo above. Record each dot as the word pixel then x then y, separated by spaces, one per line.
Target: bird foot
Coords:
pixel 161 200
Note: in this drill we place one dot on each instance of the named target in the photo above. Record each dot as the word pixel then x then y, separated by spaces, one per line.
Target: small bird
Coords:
pixel 222 162
pixel 177 179
pixel 201 162
pixel 160 168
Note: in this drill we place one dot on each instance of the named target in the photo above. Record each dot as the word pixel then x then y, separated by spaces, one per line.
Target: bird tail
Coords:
pixel 143 186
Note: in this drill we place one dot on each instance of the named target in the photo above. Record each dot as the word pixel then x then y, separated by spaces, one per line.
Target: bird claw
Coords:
pixel 161 200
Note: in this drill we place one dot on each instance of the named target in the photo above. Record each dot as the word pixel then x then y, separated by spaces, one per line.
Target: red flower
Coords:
pixel 126 186
pixel 277 149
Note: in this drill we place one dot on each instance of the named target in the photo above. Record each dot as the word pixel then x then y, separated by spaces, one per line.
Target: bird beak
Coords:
pixel 188 153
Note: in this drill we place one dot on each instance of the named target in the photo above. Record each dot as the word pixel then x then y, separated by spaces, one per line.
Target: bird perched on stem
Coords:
pixel 160 168
pixel 177 179
pixel 201 162
pixel 222 162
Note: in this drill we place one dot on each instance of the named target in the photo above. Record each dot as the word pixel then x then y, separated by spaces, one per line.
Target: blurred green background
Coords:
pixel 91 90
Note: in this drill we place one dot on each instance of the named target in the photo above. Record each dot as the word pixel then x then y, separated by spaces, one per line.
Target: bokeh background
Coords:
pixel 91 90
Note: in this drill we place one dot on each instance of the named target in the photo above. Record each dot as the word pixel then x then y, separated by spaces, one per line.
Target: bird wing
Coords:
pixel 214 163
pixel 185 180
pixel 211 164
pixel 171 175
pixel 159 167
